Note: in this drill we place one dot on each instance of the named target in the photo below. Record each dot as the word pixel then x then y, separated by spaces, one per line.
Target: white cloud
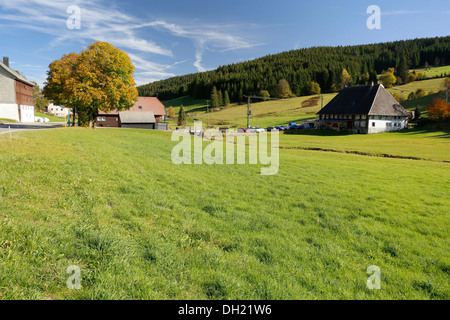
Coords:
pixel 101 22
pixel 399 12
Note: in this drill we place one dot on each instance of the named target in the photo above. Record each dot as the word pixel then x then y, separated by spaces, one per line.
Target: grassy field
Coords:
pixel 276 113
pixel 433 85
pixel 50 117
pixel 434 72
pixel 111 202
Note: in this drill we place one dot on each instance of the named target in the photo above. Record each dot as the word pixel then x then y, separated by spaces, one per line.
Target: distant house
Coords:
pixel 16 94
pixel 364 109
pixel 58 111
pixel 147 112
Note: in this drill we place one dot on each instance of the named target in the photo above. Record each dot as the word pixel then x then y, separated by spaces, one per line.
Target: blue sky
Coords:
pixel 168 38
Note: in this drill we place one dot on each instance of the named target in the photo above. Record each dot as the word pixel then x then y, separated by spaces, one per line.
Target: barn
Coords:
pixel 16 94
pixel 364 109
pixel 147 112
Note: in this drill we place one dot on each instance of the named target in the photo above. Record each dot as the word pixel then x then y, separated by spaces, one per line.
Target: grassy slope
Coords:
pixel 112 202
pixel 434 85
pixel 272 113
pixel 50 117
pixel 434 72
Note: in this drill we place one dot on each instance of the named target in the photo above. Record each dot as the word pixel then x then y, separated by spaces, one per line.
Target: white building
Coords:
pixel 58 111
pixel 16 95
pixel 364 109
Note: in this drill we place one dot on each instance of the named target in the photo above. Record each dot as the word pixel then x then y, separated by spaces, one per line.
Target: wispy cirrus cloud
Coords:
pixel 101 21
pixel 400 12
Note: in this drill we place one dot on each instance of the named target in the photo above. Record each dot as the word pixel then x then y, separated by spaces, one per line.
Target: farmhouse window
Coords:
pixel 373 124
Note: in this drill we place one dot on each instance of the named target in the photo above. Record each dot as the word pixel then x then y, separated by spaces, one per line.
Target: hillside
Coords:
pixel 323 65
pixel 281 112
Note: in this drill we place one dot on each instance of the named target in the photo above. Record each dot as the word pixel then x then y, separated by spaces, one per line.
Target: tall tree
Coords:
pixel 100 78
pixel 283 89
pixel 226 99
pixel 40 102
pixel 220 98
pixel 315 88
pixel 388 79
pixel 346 78
pixel 403 70
pixel 214 98
pixel 181 116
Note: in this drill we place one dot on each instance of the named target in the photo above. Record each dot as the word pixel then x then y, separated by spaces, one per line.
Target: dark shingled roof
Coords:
pixel 368 100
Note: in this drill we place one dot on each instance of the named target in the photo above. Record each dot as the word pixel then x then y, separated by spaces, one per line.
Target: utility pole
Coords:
pixel 249 112
pixel 207 111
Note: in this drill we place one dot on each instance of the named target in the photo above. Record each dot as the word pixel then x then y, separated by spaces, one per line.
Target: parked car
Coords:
pixel 268 129
pixel 243 130
pixel 282 128
pixel 256 129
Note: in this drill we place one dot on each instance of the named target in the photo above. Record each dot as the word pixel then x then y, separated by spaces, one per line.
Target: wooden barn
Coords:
pixel 147 112
pixel 16 95
pixel 364 109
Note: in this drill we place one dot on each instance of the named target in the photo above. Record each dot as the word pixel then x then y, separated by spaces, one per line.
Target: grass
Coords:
pixel 433 85
pixel 417 143
pixel 434 72
pixel 112 202
pixel 50 117
pixel 3 120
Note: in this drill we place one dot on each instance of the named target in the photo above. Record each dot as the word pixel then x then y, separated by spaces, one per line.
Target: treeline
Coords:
pixel 305 69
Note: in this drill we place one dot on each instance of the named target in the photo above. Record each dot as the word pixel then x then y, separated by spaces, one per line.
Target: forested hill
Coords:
pixel 323 65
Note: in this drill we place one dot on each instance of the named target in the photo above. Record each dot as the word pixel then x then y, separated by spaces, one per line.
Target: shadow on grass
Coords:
pixel 317 132
pixel 428 127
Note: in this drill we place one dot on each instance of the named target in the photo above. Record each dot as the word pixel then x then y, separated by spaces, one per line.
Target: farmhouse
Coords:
pixel 16 95
pixel 364 109
pixel 147 113
pixel 58 111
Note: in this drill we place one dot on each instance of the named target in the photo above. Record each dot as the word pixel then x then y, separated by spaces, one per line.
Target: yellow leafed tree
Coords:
pixel 99 78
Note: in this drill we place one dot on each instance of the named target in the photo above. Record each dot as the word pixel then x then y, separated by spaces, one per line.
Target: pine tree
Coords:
pixel 181 116
pixel 226 99
pixel 417 113
pixel 214 98
pixel 403 70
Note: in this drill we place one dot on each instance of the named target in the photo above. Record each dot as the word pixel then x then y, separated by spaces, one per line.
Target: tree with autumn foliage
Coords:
pixel 171 112
pixel 99 78
pixel 439 110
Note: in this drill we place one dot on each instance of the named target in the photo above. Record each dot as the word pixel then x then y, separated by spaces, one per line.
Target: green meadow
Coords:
pixel 140 227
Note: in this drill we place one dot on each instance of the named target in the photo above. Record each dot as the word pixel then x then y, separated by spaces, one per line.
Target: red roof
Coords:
pixel 144 104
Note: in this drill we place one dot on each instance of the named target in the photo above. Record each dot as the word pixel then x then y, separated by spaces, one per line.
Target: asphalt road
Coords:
pixel 5 128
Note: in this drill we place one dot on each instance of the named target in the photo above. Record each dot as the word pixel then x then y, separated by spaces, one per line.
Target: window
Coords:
pixel 373 124
pixel 101 119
